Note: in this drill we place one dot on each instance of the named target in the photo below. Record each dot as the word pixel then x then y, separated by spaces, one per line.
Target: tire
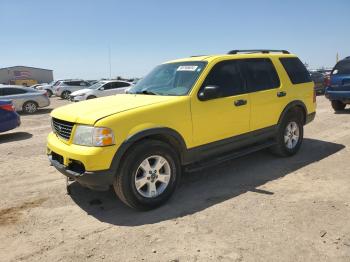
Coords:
pixel 49 92
pixel 338 105
pixel 132 173
pixel 30 107
pixel 65 95
pixel 90 97
pixel 290 134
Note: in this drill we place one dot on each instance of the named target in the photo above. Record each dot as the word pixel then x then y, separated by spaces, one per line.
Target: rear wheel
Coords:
pixel 49 92
pixel 148 176
pixel 65 95
pixel 338 105
pixel 30 107
pixel 290 134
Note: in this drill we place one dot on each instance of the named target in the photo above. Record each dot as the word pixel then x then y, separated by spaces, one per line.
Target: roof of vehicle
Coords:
pixel 209 58
pixel 19 87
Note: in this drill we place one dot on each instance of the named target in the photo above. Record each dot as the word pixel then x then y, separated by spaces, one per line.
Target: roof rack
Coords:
pixel 264 51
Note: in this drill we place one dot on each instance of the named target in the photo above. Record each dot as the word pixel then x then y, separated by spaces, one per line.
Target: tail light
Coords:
pixel 327 81
pixel 8 107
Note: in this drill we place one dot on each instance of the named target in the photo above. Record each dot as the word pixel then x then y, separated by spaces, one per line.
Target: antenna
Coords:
pixel 109 62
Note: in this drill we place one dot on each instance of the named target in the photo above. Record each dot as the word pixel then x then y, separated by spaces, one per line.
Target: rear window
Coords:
pixel 296 70
pixel 342 68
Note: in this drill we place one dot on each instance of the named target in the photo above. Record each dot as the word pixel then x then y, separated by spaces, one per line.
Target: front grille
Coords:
pixel 62 128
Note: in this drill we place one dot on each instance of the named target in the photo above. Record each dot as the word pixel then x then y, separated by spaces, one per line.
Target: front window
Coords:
pixel 173 79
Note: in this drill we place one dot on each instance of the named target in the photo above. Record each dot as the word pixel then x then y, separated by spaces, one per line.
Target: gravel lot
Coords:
pixel 256 208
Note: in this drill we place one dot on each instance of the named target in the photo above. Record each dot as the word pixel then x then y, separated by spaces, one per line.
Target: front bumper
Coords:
pixel 89 166
pixel 96 180
pixel 77 98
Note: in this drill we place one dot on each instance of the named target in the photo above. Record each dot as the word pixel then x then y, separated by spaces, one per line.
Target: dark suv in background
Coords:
pixel 338 91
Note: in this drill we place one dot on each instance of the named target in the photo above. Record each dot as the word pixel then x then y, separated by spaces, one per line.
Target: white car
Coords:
pixel 49 87
pixel 66 87
pixel 100 89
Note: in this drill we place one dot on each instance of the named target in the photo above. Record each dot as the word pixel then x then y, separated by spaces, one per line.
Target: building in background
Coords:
pixel 25 75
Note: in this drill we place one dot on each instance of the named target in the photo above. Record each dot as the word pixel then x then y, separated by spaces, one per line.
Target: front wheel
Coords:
pixel 338 105
pixel 65 95
pixel 148 176
pixel 290 135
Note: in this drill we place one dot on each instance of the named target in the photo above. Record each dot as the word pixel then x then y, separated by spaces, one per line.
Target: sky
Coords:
pixel 74 37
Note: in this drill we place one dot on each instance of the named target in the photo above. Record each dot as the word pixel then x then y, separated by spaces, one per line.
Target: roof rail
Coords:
pixel 264 51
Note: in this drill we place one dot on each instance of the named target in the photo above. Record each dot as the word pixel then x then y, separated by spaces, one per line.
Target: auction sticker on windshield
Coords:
pixel 187 68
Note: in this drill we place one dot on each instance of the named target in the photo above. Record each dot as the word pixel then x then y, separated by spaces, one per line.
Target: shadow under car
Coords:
pixel 200 190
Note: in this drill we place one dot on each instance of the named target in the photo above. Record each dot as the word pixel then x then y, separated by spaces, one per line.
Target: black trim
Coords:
pixel 164 132
pixel 290 106
pixel 97 180
pixel 203 152
pixel 264 51
pixel 310 117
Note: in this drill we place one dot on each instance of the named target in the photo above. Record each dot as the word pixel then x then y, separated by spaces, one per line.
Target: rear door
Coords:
pixel 267 95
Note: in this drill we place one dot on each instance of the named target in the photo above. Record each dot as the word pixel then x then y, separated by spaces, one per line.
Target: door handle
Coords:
pixel 281 94
pixel 240 102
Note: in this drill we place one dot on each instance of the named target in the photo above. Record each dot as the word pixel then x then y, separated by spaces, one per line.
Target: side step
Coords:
pixel 229 156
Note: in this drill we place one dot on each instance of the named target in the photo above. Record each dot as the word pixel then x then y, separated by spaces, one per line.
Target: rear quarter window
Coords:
pixel 296 70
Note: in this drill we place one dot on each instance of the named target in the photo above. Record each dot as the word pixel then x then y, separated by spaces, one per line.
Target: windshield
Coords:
pixel 96 86
pixel 170 79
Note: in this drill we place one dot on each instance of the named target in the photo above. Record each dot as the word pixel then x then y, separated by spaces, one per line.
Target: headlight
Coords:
pixel 93 136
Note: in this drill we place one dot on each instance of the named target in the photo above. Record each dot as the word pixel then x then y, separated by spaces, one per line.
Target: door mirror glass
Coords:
pixel 209 92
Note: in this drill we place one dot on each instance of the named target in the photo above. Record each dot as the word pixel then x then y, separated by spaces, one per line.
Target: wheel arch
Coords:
pixel 297 104
pixel 164 134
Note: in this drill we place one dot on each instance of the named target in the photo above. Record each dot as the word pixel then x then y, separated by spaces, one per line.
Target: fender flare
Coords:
pixel 296 103
pixel 158 131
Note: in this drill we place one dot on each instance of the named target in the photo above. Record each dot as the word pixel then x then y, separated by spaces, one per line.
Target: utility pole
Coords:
pixel 109 62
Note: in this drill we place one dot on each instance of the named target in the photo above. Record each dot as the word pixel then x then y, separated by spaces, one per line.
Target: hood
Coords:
pixel 90 111
pixel 80 92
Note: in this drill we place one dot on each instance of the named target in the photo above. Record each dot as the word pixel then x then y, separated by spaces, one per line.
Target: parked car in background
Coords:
pixel 25 99
pixel 92 82
pixel 49 88
pixel 9 119
pixel 338 91
pixel 36 86
pixel 66 87
pixel 319 80
pixel 100 89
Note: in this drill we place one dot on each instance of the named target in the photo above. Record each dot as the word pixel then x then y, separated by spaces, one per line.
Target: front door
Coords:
pixel 226 116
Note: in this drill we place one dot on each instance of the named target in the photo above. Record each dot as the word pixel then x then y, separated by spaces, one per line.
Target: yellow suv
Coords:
pixel 185 114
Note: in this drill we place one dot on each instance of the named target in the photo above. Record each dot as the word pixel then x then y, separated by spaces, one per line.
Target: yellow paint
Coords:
pixel 198 122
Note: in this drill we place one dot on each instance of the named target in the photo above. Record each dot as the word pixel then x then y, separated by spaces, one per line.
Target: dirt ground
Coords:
pixel 256 208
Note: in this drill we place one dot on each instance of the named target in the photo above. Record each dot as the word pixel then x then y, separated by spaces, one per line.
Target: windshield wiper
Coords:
pixel 146 92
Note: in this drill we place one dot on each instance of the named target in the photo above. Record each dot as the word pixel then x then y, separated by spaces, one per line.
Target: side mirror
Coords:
pixel 101 88
pixel 209 92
